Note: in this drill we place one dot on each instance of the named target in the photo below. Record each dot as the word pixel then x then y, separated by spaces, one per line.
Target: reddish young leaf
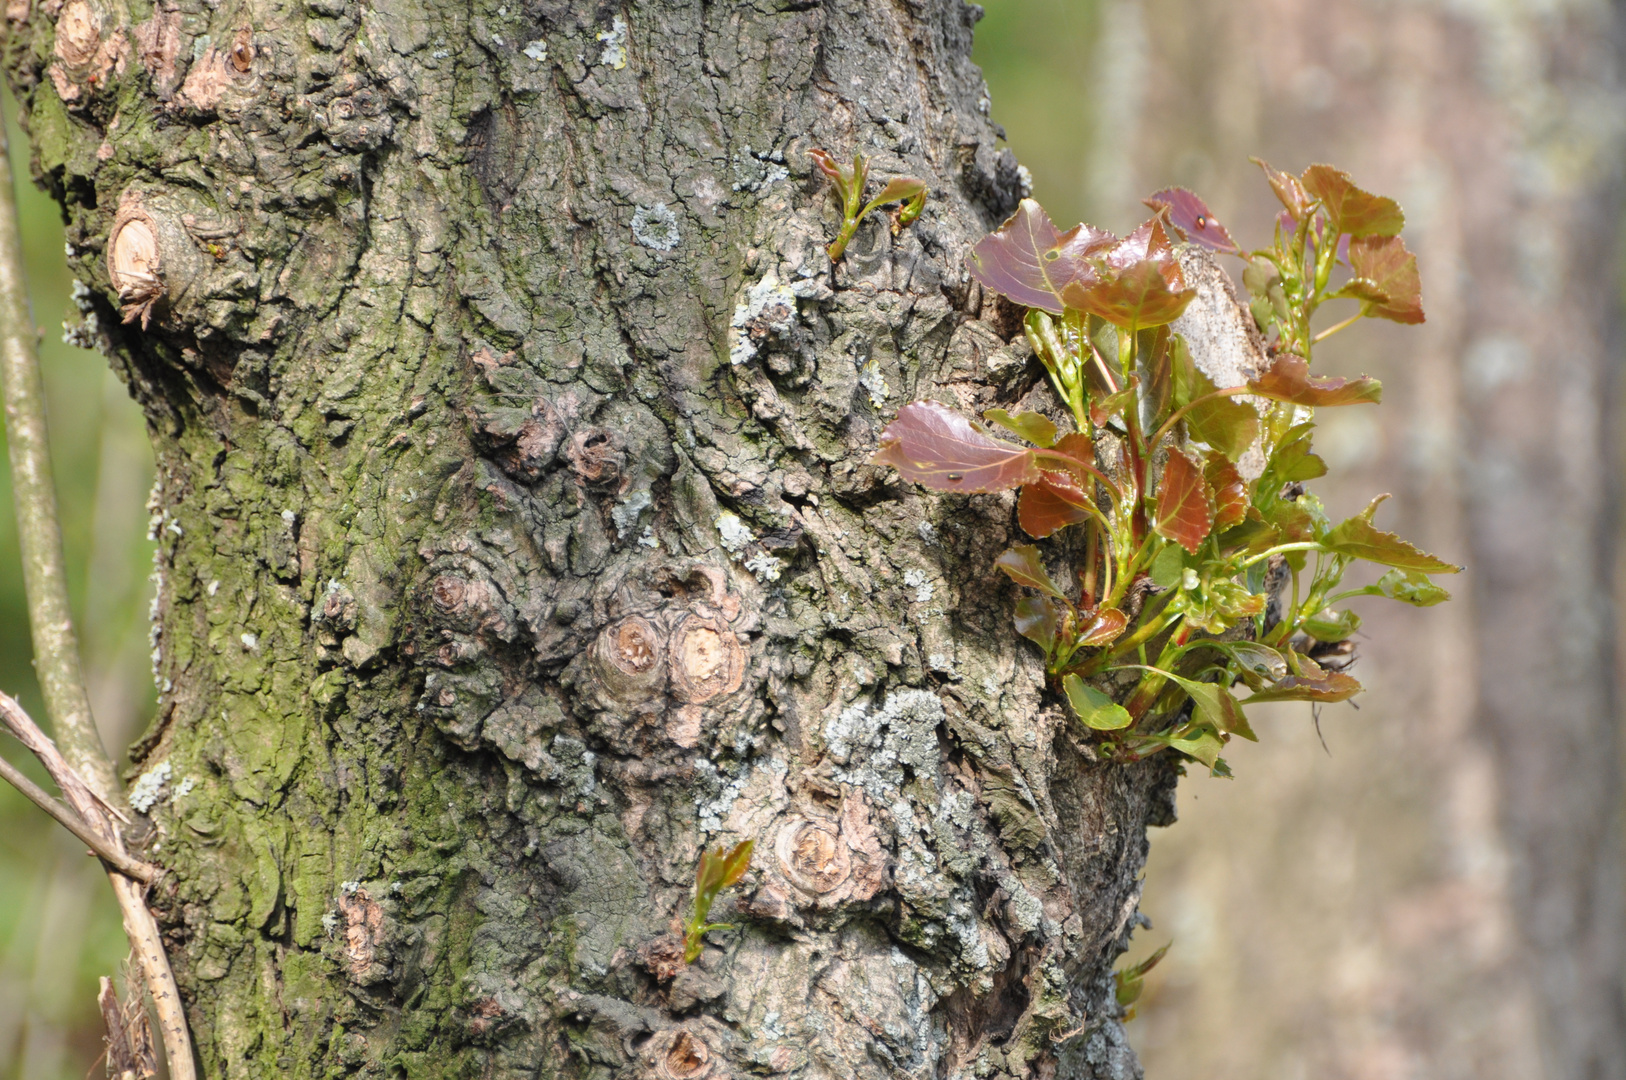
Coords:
pixel 1021 564
pixel 1230 492
pixel 1073 455
pixel 1289 379
pixel 1191 216
pixel 1037 619
pixel 1104 409
pixel 838 174
pixel 1027 261
pixel 1363 540
pixel 1050 503
pixel 1288 190
pixel 1184 513
pixel 1348 208
pixel 1148 293
pixel 1033 427
pixel 1311 683
pixel 1101 626
pixel 1392 270
pixel 1148 243
pixel 933 445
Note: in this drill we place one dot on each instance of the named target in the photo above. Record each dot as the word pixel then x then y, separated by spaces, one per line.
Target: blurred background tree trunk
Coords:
pixel 1441 896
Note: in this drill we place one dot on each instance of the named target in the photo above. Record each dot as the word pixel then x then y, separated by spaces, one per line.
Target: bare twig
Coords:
pixel 128 865
pixel 56 647
pixel 139 925
pixel 82 769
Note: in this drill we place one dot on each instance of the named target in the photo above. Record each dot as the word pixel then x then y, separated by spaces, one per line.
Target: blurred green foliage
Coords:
pixel 59 927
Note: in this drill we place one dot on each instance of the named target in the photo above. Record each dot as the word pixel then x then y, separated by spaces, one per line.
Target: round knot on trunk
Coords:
pixel 812 856
pixel 78 34
pixel 449 594
pixel 684 1057
pixel 135 263
pixel 597 455
pixel 627 658
pixel 707 660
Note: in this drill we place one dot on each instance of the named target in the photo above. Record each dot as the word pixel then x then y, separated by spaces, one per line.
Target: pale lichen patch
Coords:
pixel 614 54
pixel 655 227
pixel 769 308
pixel 149 787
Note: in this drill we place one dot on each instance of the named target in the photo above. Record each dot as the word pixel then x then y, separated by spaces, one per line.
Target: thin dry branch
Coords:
pixel 126 864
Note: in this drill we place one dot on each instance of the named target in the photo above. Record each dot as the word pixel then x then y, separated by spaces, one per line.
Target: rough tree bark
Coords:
pixel 517 540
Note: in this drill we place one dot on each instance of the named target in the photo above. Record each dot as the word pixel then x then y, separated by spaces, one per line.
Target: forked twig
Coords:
pixel 81 769
pixel 126 864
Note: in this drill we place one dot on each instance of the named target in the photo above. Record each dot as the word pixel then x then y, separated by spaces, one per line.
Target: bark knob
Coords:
pixel 627 658
pixel 707 660
pixel 812 856
pixel 685 1057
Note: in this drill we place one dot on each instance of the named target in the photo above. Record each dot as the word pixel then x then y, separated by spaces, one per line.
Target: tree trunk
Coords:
pixel 518 542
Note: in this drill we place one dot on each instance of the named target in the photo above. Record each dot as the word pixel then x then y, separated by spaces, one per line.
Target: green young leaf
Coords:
pixel 1294 461
pixel 1260 661
pixel 1022 565
pixel 1348 208
pixel 1391 270
pixel 1289 379
pixel 1212 705
pixel 1032 426
pixel 899 189
pixel 1331 626
pixel 1093 707
pixel 1103 410
pixel 933 445
pixel 1228 425
pixel 1359 538
pixel 1184 512
pixel 1409 587
pixel 1129 982
pixel 1200 745
pixel 1029 262
pixel 717 871
pixel 1252 536
pixel 1167 567
pixel 1038 618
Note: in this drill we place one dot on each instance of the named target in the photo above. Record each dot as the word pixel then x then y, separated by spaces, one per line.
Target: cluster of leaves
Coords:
pixel 849 183
pixel 717 871
pixel 1207 565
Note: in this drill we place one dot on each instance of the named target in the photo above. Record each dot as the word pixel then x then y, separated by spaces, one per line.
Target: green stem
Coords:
pixel 1331 330
pixel 1280 549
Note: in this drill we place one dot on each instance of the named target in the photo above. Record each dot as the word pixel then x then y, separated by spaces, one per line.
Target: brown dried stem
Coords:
pixel 126 864
pixel 81 769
